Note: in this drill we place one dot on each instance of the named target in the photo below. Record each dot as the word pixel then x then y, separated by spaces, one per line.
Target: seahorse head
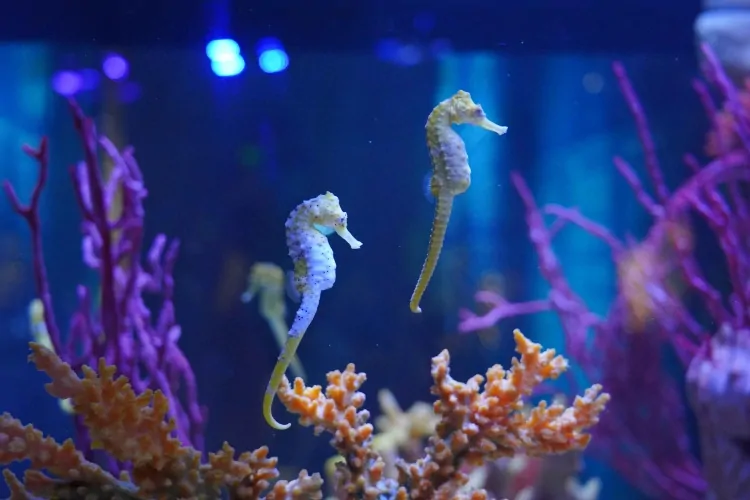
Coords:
pixel 463 110
pixel 327 217
pixel 266 275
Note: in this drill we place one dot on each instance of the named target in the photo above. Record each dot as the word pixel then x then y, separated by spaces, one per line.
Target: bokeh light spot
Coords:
pixel 67 83
pixel 271 55
pixel 273 61
pixel 115 67
pixel 593 82
pixel 228 67
pixel 222 49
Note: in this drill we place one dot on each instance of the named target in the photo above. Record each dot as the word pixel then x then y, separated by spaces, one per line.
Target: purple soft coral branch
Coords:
pixel 99 217
pixel 726 169
pixel 577 320
pixel 715 73
pixel 688 195
pixel 159 351
pixel 644 133
pixel 500 310
pixel 79 334
pixel 730 222
pixel 163 358
pixel 122 331
pixel 165 361
pixel 686 347
pixel 720 218
pixel 731 225
pixel 30 213
pixel 635 447
pixel 157 348
pixel 573 313
pixel 574 216
pixel 669 471
pixel 646 201
pixel 729 168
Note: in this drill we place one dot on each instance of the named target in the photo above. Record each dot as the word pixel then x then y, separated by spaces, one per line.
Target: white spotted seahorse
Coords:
pixel 307 230
pixel 451 174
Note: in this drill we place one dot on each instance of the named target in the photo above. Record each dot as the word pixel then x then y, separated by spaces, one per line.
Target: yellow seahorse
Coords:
pixel 451 174
pixel 41 336
pixel 269 281
pixel 307 230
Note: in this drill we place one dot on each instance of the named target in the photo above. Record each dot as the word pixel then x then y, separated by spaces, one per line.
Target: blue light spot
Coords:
pixel 273 61
pixel 67 83
pixel 229 66
pixel 115 67
pixel 222 49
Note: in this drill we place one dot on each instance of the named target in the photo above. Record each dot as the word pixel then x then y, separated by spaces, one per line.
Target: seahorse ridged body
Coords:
pixel 451 174
pixel 307 230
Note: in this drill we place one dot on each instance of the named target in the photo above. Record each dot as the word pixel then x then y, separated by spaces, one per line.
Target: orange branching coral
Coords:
pixel 19 442
pixel 475 425
pixel 399 433
pixel 339 412
pixel 132 428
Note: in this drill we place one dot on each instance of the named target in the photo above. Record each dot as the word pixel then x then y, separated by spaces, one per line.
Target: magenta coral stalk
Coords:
pixel 30 213
pixel 122 330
